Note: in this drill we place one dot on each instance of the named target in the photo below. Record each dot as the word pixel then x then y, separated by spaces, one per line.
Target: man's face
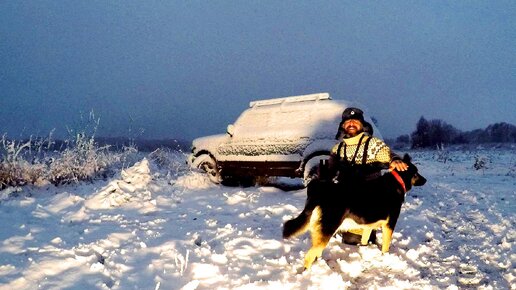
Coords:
pixel 352 127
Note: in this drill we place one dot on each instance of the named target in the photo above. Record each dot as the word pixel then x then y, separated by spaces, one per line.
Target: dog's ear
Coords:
pixel 407 158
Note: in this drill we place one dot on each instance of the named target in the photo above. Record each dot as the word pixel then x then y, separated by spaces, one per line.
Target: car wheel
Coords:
pixel 209 165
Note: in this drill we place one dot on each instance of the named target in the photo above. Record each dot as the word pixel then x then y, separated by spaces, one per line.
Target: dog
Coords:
pixel 366 206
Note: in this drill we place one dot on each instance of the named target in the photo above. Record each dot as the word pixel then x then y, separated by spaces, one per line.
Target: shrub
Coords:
pixel 172 162
pixel 14 170
pixel 38 161
pixel 481 162
pixel 443 155
pixel 82 161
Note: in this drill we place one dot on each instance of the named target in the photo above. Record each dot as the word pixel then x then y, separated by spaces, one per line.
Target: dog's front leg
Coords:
pixel 366 233
pixel 386 238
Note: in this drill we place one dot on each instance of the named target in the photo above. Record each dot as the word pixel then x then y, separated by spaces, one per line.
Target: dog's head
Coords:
pixel 411 176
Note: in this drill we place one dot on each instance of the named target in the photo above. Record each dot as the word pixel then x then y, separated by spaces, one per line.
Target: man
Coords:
pixel 359 157
pixel 360 148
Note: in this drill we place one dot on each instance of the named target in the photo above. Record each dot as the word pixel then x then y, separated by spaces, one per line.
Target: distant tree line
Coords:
pixel 437 133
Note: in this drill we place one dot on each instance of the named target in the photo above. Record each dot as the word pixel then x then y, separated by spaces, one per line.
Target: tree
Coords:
pixel 501 133
pixel 433 133
pixel 420 137
pixel 436 133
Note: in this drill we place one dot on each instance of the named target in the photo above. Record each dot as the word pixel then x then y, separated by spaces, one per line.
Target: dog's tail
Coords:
pixel 298 225
pixel 301 223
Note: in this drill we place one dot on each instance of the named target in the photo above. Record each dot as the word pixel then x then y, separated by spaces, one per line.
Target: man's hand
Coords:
pixel 398 165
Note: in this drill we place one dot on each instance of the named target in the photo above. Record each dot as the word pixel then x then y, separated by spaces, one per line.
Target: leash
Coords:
pixel 399 179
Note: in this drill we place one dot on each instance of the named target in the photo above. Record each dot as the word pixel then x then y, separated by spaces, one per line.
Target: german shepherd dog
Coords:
pixel 364 206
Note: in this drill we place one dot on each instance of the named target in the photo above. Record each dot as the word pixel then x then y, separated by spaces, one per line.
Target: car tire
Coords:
pixel 209 165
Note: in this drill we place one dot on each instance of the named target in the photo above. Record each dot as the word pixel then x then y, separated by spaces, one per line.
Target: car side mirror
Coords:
pixel 231 130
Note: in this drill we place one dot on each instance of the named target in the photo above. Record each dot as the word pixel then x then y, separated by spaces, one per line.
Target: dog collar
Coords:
pixel 399 179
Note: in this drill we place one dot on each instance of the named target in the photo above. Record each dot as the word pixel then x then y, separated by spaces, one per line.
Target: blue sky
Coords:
pixel 183 69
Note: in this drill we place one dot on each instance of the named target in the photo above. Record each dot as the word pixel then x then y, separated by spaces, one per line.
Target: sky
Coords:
pixel 184 69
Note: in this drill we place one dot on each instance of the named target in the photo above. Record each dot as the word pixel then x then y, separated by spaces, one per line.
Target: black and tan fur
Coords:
pixel 366 206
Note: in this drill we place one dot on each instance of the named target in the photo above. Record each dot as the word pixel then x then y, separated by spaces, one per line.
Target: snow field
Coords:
pixel 150 228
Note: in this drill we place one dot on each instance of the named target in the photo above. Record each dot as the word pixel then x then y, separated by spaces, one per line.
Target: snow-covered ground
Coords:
pixel 150 228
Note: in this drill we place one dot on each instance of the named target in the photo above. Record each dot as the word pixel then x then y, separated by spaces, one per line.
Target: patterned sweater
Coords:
pixel 377 151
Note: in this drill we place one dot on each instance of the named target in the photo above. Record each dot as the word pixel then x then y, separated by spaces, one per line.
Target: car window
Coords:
pixel 290 119
pixel 252 122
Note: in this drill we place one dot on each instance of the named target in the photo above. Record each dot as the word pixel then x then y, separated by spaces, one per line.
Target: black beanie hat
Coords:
pixel 353 113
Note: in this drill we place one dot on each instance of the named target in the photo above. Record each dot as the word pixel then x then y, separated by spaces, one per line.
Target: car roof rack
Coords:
pixel 293 99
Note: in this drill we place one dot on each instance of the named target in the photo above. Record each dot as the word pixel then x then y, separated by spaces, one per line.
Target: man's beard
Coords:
pixel 353 133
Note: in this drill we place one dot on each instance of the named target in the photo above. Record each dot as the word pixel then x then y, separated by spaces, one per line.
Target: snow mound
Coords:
pixel 133 186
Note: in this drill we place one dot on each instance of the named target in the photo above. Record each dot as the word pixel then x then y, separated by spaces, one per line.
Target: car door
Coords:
pixel 249 136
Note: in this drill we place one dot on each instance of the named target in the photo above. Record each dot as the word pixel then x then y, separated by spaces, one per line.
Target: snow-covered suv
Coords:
pixel 275 137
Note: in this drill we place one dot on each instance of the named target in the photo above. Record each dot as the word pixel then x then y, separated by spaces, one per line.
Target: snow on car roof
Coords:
pixel 292 99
